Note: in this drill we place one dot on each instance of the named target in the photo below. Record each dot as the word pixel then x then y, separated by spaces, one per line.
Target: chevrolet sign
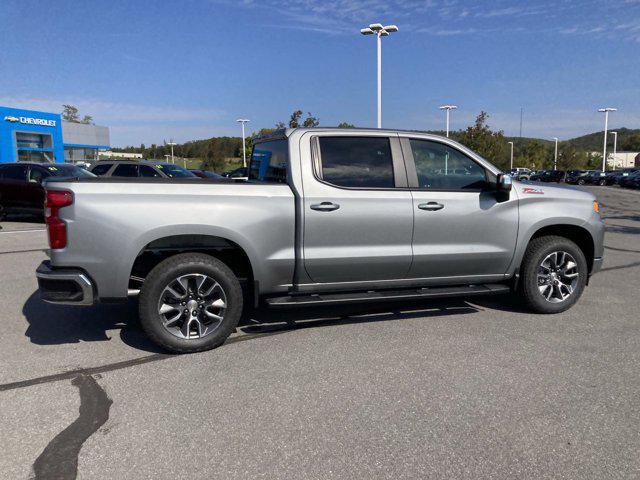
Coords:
pixel 31 121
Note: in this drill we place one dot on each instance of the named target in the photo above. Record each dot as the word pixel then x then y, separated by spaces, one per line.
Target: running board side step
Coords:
pixel 387 295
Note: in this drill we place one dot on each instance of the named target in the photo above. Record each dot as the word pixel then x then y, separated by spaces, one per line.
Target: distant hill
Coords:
pixel 593 141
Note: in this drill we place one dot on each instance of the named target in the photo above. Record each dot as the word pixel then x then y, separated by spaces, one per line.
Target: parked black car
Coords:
pixel 21 189
pixel 555 176
pixel 536 176
pixel 631 181
pixel 597 177
pixel 144 168
pixel 579 177
pixel 616 176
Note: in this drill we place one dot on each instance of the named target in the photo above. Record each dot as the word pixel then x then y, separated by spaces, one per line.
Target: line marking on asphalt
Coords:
pixel 43 250
pixel 24 231
pixel 110 367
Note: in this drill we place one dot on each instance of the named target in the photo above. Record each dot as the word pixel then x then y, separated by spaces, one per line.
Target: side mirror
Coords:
pixel 504 183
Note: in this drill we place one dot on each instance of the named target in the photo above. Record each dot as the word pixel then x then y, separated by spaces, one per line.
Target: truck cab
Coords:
pixel 327 216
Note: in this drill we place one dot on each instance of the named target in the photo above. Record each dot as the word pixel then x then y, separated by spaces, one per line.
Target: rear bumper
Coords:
pixel 65 286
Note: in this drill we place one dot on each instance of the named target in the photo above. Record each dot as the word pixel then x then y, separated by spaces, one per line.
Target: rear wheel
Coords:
pixel 190 302
pixel 553 275
pixel 602 183
pixel 581 182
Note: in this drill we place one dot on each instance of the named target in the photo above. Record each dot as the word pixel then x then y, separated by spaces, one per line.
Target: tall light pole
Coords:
pixel 555 155
pixel 615 147
pixel 511 143
pixel 606 111
pixel 379 31
pixel 172 143
pixel 448 108
pixel 244 152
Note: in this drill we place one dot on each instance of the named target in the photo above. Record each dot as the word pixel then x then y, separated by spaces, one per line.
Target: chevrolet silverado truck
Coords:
pixel 328 216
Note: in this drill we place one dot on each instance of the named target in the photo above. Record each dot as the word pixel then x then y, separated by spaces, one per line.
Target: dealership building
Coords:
pixel 32 136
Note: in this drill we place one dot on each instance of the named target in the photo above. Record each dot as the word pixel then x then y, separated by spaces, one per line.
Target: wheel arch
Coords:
pixel 576 233
pixel 160 247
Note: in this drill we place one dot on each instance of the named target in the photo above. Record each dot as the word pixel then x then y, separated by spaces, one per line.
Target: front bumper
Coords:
pixel 65 286
pixel 597 265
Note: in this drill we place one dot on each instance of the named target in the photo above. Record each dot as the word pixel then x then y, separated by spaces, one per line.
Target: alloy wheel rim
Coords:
pixel 192 306
pixel 558 276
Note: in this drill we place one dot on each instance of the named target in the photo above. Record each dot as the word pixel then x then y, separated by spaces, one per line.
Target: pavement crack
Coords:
pixel 59 459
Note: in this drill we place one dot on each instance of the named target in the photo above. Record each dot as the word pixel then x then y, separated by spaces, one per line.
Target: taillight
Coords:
pixel 57 229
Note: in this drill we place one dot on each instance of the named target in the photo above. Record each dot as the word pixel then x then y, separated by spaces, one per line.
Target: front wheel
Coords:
pixel 190 302
pixel 553 274
pixel 603 183
pixel 580 182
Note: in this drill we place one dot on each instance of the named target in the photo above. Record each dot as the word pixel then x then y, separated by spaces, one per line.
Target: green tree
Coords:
pixel 87 119
pixel 481 139
pixel 631 143
pixel 296 116
pixel 345 125
pixel 70 113
pixel 570 158
pixel 533 152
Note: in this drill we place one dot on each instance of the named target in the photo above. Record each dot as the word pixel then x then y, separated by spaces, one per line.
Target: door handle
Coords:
pixel 431 206
pixel 325 207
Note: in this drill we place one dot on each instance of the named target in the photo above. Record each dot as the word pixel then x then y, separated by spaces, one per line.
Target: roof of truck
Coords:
pixel 287 132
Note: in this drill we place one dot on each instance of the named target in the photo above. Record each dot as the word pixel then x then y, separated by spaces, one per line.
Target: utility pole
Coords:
pixel 615 147
pixel 172 143
pixel 244 152
pixel 555 156
pixel 448 108
pixel 379 31
pixel 606 111
pixel 511 143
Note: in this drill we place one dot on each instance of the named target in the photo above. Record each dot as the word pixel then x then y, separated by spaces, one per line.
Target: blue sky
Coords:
pixel 187 69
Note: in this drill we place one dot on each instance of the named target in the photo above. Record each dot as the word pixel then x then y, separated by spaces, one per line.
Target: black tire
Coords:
pixel 162 275
pixel 537 250
pixel 580 182
pixel 602 183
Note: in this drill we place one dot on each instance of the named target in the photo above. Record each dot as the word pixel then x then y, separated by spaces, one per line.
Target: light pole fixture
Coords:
pixel 555 155
pixel 379 31
pixel 606 111
pixel 244 152
pixel 172 143
pixel 448 108
pixel 615 147
pixel 511 143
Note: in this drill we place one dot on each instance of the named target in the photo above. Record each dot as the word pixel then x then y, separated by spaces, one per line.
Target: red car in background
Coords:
pixel 21 190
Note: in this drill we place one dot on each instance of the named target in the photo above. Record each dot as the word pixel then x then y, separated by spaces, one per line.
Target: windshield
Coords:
pixel 68 171
pixel 174 171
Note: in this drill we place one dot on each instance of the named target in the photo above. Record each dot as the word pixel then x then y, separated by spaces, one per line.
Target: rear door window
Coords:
pixel 101 168
pixel 357 162
pixel 148 172
pixel 125 170
pixel 269 161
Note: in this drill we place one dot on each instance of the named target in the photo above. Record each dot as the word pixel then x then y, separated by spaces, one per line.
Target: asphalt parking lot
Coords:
pixel 458 389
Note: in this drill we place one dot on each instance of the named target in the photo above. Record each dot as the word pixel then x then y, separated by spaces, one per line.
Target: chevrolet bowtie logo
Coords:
pixel 9 118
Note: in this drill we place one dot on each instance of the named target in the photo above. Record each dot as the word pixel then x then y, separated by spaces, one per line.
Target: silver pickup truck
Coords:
pixel 328 216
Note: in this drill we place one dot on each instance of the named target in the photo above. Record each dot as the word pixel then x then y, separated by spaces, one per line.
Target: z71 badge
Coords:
pixel 534 191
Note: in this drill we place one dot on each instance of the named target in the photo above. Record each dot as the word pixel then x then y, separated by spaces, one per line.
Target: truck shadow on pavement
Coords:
pixel 60 324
